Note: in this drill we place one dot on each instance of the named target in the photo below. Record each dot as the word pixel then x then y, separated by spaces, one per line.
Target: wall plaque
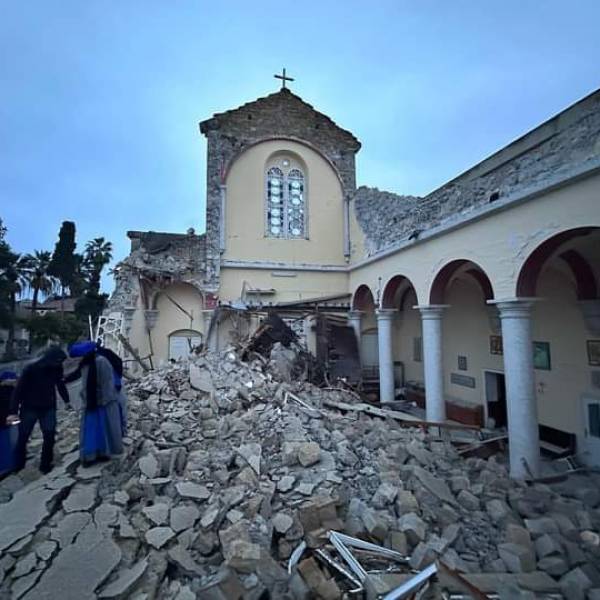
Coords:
pixel 464 380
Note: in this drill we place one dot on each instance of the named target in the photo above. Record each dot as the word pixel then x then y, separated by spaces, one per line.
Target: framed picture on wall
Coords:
pixel 496 344
pixel 462 363
pixel 593 352
pixel 541 356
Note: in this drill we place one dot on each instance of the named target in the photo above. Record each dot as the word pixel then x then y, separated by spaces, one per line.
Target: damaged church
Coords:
pixel 478 302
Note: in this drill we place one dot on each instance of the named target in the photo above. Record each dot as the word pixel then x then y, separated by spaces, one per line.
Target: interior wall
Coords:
pixel 407 326
pixel 171 318
pixel 466 332
pixel 557 319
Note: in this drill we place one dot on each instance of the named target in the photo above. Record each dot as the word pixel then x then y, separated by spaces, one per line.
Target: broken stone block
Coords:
pixel 200 379
pixel 467 500
pixel 25 565
pixel 553 565
pixel 157 513
pixel 384 495
pixel 413 527
pixel 183 517
pixel 82 497
pixel 518 535
pixel 575 584
pixel 157 537
pixel 422 556
pixel 282 523
pixel 243 556
pixel 398 542
pixel 189 489
pixel 541 526
pixel 126 581
pixel 309 453
pixel 46 550
pixel 149 466
pixel 497 510
pixel 546 545
pixel 374 524
pixel 320 586
pixel 518 559
pixel 68 527
pixel 286 483
pixel 434 485
pixel 224 586
pixel 182 559
pixel 406 502
pixel 251 453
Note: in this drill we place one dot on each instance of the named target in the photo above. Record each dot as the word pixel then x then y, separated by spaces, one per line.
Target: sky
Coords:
pixel 100 100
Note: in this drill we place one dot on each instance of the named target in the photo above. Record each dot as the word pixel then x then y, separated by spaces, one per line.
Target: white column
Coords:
pixel 210 342
pixel 355 321
pixel 435 403
pixel 385 321
pixel 523 433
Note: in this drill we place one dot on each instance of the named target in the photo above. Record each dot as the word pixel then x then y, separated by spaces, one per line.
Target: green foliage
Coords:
pixel 63 263
pixel 55 327
pixel 91 303
pixel 98 253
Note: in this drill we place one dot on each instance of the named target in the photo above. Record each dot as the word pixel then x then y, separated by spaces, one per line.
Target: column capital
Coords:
pixel 431 311
pixel 385 314
pixel 515 308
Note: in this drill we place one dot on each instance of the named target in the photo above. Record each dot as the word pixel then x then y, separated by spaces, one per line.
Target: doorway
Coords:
pixel 495 399
pixel 591 415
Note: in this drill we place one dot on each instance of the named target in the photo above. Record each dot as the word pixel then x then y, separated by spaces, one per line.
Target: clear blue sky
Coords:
pixel 100 99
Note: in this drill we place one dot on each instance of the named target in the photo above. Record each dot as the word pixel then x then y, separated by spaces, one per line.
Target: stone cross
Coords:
pixel 283 78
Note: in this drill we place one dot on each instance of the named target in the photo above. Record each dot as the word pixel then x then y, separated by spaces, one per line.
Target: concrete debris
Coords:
pixel 233 465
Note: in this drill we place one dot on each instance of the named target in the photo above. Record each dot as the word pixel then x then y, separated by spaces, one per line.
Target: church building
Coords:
pixel 480 300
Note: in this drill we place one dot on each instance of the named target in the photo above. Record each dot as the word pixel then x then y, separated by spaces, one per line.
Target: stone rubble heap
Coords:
pixel 231 465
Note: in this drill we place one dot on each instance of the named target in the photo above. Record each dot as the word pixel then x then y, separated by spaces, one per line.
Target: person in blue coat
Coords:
pixel 101 434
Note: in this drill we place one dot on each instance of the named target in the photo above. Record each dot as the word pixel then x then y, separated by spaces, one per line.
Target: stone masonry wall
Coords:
pixel 570 140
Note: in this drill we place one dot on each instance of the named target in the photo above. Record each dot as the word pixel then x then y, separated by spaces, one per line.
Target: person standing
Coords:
pixel 101 434
pixel 34 400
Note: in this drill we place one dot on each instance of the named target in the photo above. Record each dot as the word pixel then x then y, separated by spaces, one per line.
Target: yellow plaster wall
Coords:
pixel 245 211
pixel 172 319
pixel 297 285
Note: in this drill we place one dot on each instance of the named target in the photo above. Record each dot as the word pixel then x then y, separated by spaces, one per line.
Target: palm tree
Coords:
pixel 37 276
pixel 13 275
pixel 98 253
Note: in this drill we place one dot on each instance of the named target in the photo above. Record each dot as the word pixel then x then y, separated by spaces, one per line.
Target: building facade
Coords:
pixel 481 300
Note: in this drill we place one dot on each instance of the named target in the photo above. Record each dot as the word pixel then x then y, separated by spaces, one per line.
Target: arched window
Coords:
pixel 295 204
pixel 286 201
pixel 275 203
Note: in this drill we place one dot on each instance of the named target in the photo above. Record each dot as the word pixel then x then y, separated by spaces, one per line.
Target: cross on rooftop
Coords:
pixel 283 78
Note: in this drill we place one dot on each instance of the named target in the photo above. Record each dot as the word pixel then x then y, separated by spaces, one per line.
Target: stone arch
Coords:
pixel 363 298
pixel 156 292
pixel 397 285
pixel 579 266
pixel 228 166
pixel 453 268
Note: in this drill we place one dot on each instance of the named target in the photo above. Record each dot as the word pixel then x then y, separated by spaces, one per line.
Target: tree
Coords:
pixel 37 276
pixel 63 263
pixel 98 253
pixel 13 278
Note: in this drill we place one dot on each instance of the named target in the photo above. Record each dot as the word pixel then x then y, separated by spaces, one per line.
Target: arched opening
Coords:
pixel 407 340
pixel 473 370
pixel 456 269
pixel 184 342
pixel 363 299
pixel 363 303
pixel 563 272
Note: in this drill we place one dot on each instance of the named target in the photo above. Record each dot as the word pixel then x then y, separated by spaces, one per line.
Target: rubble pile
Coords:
pixel 231 466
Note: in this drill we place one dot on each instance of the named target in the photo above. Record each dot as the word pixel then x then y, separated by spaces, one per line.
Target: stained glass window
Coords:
pixel 286 204
pixel 295 204
pixel 275 203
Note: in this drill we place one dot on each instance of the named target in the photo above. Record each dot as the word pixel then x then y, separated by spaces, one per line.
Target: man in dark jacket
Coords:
pixel 34 400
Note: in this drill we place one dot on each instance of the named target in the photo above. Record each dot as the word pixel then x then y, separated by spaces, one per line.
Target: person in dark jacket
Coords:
pixel 35 401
